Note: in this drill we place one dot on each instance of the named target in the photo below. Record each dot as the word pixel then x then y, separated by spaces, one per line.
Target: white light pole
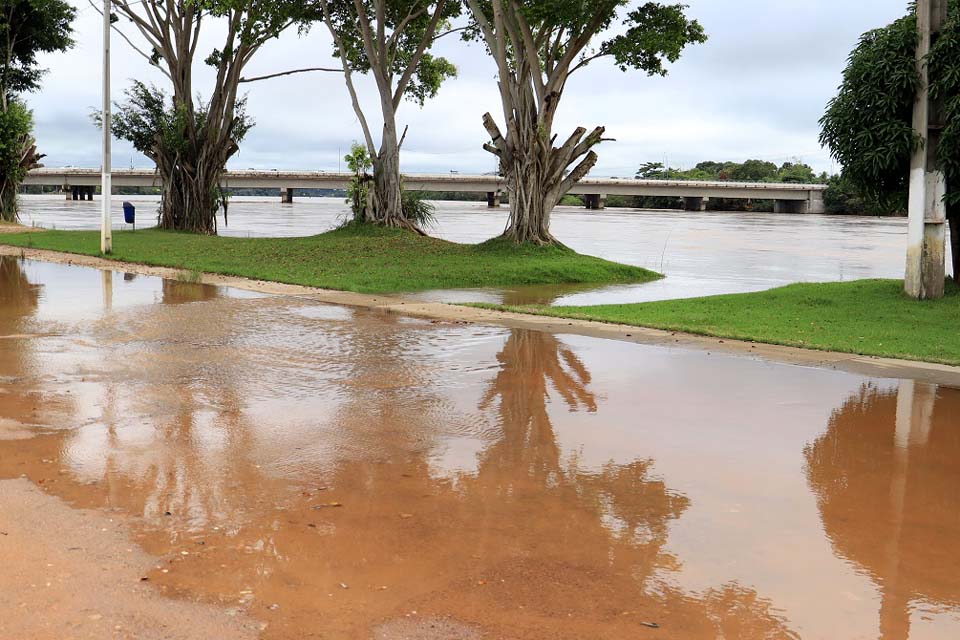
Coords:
pixel 106 231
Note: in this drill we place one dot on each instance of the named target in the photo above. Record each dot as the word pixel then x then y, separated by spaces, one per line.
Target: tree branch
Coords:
pixel 290 73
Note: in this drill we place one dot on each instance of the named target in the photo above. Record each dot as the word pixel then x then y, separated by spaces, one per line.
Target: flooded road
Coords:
pixel 338 473
pixel 701 253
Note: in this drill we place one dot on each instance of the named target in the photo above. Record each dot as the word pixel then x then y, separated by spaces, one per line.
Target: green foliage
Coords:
pixel 408 32
pixel 868 126
pixel 258 21
pixel 755 171
pixel 29 28
pixel 748 171
pixel 655 33
pixel 945 84
pixel 156 127
pixel 16 156
pixel 363 258
pixel 359 163
pixel 418 210
pixel 844 196
pixel 870 317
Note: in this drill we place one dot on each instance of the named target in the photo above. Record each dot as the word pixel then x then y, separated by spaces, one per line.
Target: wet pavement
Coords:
pixel 340 473
pixel 701 253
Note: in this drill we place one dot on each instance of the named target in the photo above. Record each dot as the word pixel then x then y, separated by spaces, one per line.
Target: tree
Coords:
pixel 391 40
pixel 537 46
pixel 754 171
pixel 28 28
pixel 18 154
pixel 189 139
pixel 868 126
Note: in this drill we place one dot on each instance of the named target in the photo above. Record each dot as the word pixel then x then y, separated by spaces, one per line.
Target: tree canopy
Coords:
pixel 191 139
pixel 391 41
pixel 29 28
pixel 868 126
pixel 748 171
pixel 537 46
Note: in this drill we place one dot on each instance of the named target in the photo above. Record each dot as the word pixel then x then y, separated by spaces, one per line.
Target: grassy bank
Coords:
pixel 867 317
pixel 365 260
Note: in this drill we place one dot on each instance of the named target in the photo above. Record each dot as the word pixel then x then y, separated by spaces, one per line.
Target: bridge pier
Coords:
pixel 595 201
pixel 79 193
pixel 695 203
pixel 286 195
pixel 813 204
pixel 493 199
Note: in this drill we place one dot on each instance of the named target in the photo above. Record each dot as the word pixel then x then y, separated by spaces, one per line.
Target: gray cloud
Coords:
pixel 756 89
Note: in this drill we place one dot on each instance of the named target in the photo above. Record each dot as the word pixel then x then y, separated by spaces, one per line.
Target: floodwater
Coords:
pixel 701 253
pixel 346 474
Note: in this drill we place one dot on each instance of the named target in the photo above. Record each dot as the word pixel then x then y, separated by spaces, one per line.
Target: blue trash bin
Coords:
pixel 130 214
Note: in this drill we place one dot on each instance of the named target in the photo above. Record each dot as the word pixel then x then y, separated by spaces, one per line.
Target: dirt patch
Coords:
pixel 17 228
pixel 70 573
pixel 426 629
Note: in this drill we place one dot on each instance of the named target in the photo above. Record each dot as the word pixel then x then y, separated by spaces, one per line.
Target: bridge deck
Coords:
pixel 71 177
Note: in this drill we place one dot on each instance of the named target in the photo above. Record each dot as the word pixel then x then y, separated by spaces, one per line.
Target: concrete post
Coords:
pixel 791 206
pixel 694 204
pixel 493 199
pixel 816 204
pixel 926 231
pixel 286 196
pixel 596 201
pixel 73 193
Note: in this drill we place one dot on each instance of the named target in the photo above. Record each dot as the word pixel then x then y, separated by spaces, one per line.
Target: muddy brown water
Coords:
pixel 701 253
pixel 340 473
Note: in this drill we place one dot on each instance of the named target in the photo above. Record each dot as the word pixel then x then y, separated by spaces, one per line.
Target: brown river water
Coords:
pixel 338 473
pixel 701 253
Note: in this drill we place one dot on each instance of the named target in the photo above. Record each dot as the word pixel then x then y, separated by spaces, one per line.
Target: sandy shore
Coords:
pixel 78 575
pixel 865 365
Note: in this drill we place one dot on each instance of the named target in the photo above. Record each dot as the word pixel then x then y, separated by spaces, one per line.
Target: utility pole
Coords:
pixel 928 185
pixel 106 230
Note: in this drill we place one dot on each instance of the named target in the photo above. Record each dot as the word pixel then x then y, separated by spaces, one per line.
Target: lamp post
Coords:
pixel 106 231
pixel 926 235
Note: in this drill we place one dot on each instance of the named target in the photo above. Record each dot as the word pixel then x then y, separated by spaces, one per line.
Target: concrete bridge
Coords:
pixel 79 184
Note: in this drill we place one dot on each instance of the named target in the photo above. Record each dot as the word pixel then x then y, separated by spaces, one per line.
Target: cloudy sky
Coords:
pixel 755 90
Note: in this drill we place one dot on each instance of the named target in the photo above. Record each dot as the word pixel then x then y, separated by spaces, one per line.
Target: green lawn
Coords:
pixel 868 317
pixel 365 260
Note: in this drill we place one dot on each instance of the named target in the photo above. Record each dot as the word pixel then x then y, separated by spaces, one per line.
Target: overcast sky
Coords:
pixel 756 89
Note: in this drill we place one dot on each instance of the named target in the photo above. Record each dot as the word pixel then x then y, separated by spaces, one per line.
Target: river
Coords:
pixel 701 253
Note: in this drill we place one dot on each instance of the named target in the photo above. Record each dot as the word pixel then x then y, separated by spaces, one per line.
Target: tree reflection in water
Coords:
pixel 19 299
pixel 530 542
pixel 886 478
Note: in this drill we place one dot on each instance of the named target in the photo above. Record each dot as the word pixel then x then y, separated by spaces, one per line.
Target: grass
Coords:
pixel 866 317
pixel 360 259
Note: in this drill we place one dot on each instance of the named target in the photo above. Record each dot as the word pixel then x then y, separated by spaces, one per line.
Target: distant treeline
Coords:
pixel 840 198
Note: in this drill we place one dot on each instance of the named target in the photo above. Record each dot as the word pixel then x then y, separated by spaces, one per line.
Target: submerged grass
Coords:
pixel 866 317
pixel 363 259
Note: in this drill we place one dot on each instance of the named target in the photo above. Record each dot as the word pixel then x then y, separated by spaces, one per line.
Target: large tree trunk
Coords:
pixel 536 173
pixel 10 184
pixel 387 187
pixel 533 196
pixel 191 195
